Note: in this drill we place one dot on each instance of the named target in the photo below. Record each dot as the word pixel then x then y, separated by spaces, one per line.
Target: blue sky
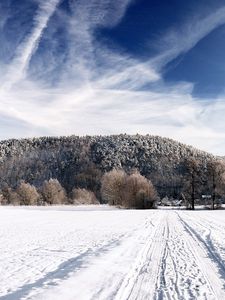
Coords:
pixel 108 67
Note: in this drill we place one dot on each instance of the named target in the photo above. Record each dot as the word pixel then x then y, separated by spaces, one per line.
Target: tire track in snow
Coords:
pixel 126 256
pixel 208 260
pixel 108 257
pixel 165 256
pixel 180 276
pixel 163 288
pixel 211 233
pixel 64 270
pixel 140 282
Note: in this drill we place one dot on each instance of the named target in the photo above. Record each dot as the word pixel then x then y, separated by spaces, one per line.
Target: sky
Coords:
pixel 108 67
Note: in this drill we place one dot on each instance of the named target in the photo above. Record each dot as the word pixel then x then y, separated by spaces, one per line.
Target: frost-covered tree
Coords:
pixel 9 196
pixel 139 192
pixel 83 196
pixel 113 184
pixel 27 194
pixel 53 192
pixel 192 181
pixel 131 191
pixel 216 179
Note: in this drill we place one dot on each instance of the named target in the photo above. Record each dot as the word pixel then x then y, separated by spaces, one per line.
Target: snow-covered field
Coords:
pixel 62 253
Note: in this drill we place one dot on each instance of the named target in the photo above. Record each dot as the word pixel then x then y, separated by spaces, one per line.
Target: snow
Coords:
pixel 99 252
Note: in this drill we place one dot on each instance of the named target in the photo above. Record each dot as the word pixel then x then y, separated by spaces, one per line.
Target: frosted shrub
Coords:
pixel 53 192
pixel 139 192
pixel 27 194
pixel 113 186
pixel 83 196
pixel 134 191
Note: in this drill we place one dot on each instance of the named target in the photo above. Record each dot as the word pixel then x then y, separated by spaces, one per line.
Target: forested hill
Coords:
pixel 81 161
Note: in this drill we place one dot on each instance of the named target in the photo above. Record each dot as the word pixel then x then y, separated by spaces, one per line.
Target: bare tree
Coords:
pixel 216 176
pixel 112 189
pixel 139 192
pixel 53 192
pixel 9 196
pixel 191 185
pixel 83 196
pixel 27 194
pixel 129 191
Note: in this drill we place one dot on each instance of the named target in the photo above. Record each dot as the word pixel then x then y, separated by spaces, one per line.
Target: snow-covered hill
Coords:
pixel 65 253
pixel 81 161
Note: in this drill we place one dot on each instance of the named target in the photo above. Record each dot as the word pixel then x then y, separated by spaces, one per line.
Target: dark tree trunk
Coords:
pixel 193 192
pixel 214 192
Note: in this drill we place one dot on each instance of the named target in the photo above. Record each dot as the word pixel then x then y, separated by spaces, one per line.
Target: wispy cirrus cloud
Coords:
pixel 180 40
pixel 88 87
pixel 26 49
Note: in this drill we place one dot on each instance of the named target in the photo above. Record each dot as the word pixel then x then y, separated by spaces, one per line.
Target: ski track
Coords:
pixel 186 271
pixel 103 254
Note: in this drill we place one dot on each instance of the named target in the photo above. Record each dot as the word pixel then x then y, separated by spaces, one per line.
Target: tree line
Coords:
pixel 50 193
pixel 117 188
pixel 130 190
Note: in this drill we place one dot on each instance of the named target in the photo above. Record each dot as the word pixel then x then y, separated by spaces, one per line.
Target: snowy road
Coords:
pixel 101 253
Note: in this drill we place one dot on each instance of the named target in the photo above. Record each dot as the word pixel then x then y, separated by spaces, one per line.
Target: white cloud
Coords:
pixel 27 48
pixel 100 90
pixel 180 40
